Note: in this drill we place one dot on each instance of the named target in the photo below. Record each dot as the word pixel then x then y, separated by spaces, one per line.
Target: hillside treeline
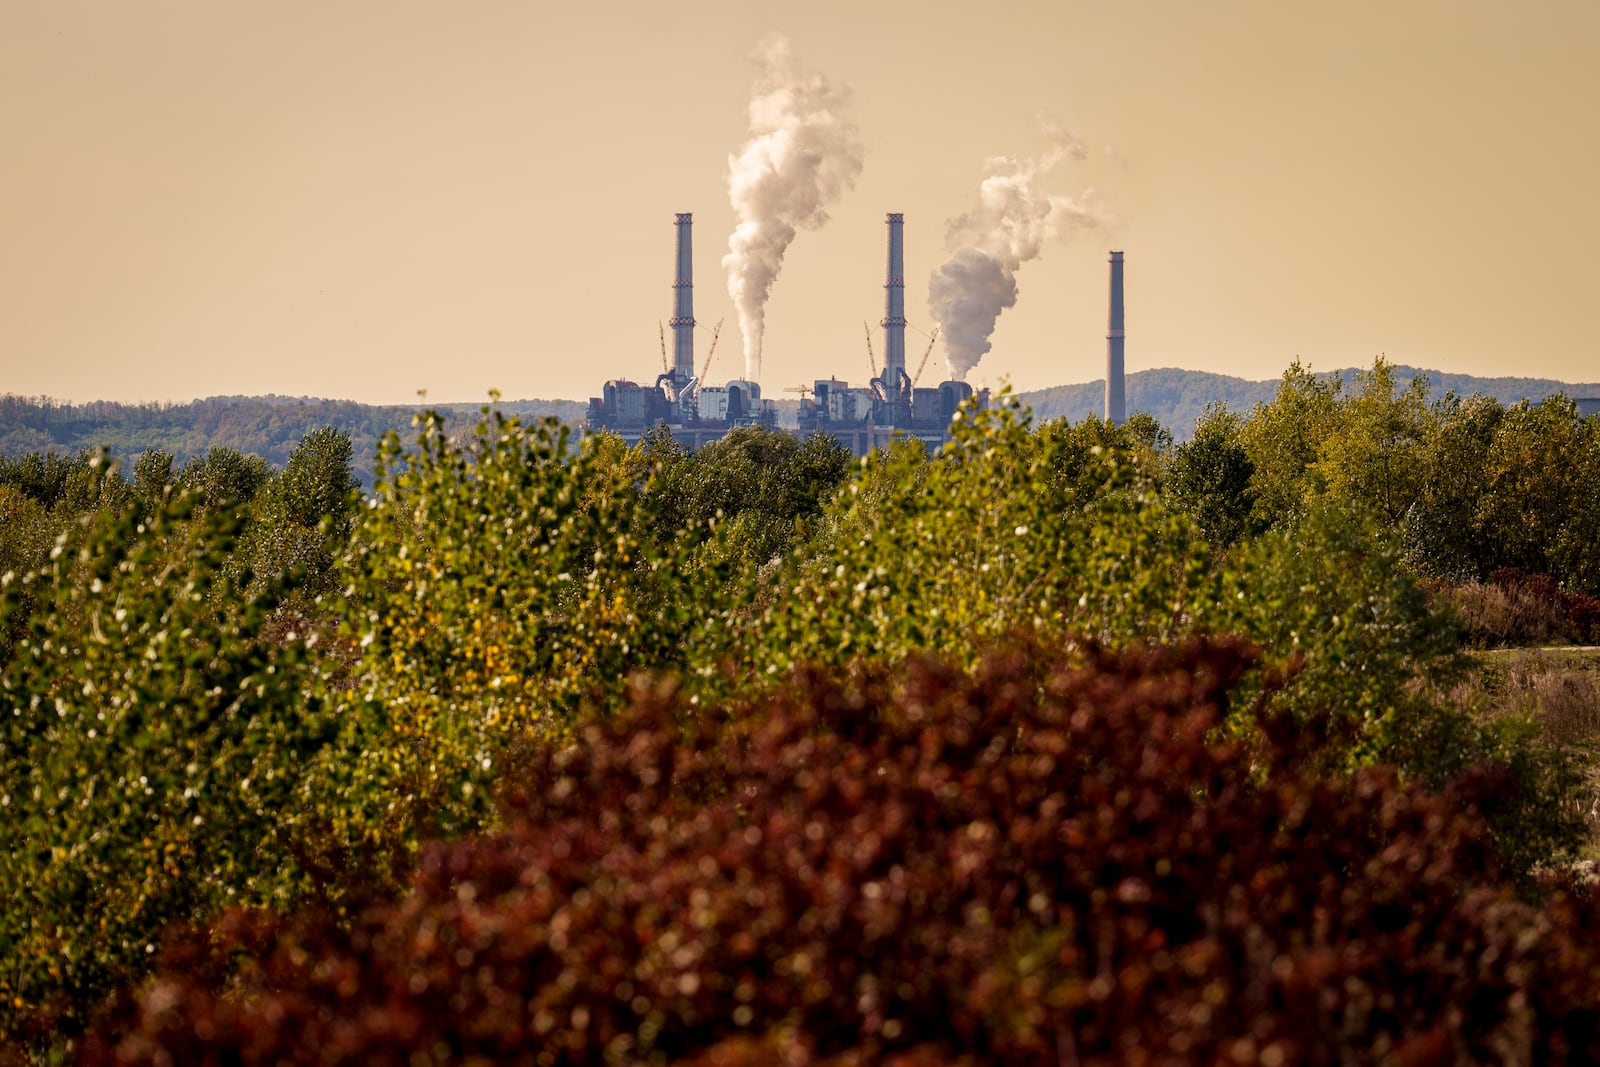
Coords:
pixel 992 754
pixel 1179 398
pixel 264 426
pixel 271 426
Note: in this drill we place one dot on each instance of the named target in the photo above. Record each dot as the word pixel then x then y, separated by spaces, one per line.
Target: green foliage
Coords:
pixel 1055 531
pixel 1044 860
pixel 271 427
pixel 1283 440
pixel 224 478
pixel 1441 533
pixel 1539 511
pixel 41 477
pixel 494 584
pixel 1361 659
pixel 44 503
pixel 152 476
pixel 763 485
pixel 1209 478
pixel 26 531
pixel 150 753
pixel 1370 458
pixel 325 680
pixel 1467 487
pixel 316 483
pixel 1329 598
pixel 1179 398
pixel 1508 488
pixel 302 518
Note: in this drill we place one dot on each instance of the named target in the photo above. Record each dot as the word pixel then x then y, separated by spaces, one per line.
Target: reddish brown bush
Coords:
pixel 1515 608
pixel 1540 612
pixel 1034 864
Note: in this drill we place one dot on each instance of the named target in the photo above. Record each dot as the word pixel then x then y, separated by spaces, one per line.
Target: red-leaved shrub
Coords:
pixel 1542 613
pixel 1048 861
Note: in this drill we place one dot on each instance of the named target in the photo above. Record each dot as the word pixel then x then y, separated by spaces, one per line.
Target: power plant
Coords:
pixel 892 404
pixel 695 413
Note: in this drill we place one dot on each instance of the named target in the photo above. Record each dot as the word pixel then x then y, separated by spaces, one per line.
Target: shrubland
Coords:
pixel 243 700
pixel 1045 858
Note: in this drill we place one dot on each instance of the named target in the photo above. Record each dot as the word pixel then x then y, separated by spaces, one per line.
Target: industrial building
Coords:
pixel 695 413
pixel 891 405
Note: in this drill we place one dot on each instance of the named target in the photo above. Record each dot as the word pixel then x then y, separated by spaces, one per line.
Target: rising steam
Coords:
pixel 802 154
pixel 1011 225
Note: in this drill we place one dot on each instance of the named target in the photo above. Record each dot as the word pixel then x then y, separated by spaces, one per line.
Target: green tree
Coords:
pixel 42 477
pixel 301 519
pixel 1440 532
pixel 1283 440
pixel 152 476
pixel 1209 478
pixel 224 477
pixel 151 756
pixel 496 582
pixel 1330 603
pixel 1371 458
pixel 1057 531
pixel 764 486
pixel 1359 658
pixel 1575 556
pixel 27 534
pixel 1534 474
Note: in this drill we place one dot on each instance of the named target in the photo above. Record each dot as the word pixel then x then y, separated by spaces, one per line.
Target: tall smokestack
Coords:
pixel 1116 398
pixel 683 304
pixel 894 303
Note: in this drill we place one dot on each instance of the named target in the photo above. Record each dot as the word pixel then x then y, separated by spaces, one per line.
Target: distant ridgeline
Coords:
pixel 266 426
pixel 1178 397
pixel 271 426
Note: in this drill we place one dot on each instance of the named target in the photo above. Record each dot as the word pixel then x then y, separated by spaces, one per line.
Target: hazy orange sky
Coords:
pixel 364 198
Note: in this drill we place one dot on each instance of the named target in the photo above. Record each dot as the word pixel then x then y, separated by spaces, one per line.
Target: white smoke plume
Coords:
pixel 1011 224
pixel 803 153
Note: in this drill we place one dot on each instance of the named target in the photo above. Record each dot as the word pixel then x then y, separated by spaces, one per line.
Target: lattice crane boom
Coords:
pixel 932 338
pixel 716 333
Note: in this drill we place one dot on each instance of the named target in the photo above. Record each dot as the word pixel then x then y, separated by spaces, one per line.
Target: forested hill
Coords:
pixel 271 426
pixel 266 426
pixel 1178 397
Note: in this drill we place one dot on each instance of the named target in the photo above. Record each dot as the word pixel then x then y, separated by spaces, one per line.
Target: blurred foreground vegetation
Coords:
pixel 239 689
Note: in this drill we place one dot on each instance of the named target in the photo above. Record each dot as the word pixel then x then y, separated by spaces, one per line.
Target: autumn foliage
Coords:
pixel 1048 859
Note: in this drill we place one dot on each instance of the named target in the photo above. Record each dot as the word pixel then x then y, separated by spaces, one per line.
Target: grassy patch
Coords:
pixel 1556 691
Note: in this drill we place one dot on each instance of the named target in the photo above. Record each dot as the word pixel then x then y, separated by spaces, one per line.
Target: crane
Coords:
pixel 803 390
pixel 932 337
pixel 662 331
pixel 716 333
pixel 872 360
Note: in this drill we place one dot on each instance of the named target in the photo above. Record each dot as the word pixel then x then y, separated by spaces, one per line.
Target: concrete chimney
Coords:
pixel 683 304
pixel 894 304
pixel 1116 398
